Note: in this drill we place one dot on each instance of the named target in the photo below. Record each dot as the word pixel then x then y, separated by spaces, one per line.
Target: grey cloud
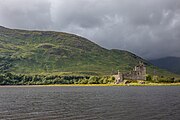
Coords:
pixel 25 14
pixel 149 28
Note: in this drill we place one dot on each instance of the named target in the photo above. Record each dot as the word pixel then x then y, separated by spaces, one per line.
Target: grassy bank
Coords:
pixel 131 84
pixel 98 85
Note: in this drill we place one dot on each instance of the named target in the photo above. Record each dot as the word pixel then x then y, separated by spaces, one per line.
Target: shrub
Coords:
pixel 149 78
pixel 93 80
pixel 177 80
pixel 166 80
pixel 83 81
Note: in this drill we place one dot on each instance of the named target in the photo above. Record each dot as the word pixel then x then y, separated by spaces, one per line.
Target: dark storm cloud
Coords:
pixel 149 28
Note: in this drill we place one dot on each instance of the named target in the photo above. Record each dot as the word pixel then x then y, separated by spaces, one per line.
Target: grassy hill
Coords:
pixel 48 52
pixel 171 64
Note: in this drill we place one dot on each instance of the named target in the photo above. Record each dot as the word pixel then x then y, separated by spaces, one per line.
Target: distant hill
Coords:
pixel 37 52
pixel 171 64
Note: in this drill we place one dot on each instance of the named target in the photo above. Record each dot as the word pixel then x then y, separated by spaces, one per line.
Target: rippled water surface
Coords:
pixel 88 103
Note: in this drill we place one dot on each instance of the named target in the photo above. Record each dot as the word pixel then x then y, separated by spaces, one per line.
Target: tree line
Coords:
pixel 20 79
pixel 162 79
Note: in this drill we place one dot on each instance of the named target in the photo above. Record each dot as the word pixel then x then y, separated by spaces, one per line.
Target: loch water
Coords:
pixel 90 103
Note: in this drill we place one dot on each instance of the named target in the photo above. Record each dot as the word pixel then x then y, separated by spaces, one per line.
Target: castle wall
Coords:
pixel 138 73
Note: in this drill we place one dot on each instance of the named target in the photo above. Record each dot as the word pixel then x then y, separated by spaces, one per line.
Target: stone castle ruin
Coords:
pixel 138 73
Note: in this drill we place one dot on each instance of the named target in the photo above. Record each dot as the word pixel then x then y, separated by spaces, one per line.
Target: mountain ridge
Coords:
pixel 170 63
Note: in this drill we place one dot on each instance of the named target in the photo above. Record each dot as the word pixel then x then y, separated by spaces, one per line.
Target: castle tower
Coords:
pixel 119 78
pixel 142 71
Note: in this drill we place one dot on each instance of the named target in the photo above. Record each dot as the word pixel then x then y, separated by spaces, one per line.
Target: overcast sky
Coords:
pixel 149 28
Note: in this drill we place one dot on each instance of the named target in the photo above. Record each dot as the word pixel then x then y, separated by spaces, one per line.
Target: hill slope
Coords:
pixel 171 64
pixel 35 52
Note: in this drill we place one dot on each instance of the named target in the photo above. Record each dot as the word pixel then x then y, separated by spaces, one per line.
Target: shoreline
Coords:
pixel 94 85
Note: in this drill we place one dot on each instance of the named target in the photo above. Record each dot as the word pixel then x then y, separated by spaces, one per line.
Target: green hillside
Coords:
pixel 48 52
